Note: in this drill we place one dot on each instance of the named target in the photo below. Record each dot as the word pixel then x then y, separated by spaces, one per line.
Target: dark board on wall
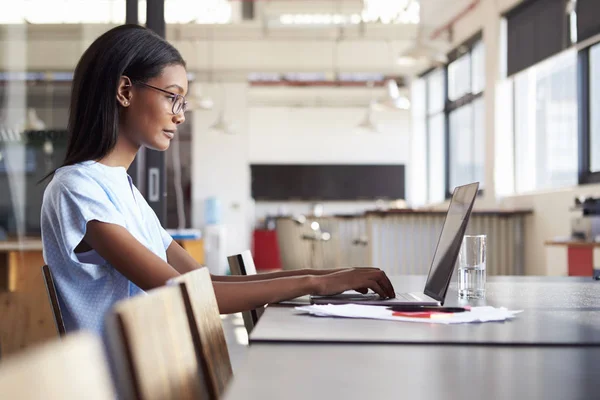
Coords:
pixel 327 182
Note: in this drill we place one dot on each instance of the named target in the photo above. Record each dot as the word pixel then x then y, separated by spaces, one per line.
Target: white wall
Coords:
pixel 326 135
pixel 283 134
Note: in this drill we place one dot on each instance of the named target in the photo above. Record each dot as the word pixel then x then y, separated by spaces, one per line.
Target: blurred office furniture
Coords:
pixel 206 328
pixel 53 298
pixel 195 247
pixel 25 312
pixel 155 355
pixel 243 264
pixel 579 253
pixel 71 369
pixel 191 240
pixel 400 241
pixel 215 237
pixel 266 250
pixel 585 226
pixel 315 236
pixel 571 257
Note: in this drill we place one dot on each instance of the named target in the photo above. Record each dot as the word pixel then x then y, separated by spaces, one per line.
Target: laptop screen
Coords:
pixel 450 241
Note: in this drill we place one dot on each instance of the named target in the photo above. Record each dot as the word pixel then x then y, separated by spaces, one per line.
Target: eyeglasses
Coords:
pixel 179 102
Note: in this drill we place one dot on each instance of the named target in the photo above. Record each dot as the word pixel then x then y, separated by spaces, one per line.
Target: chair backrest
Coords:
pixel 53 297
pixel 207 327
pixel 243 264
pixel 152 348
pixel 68 369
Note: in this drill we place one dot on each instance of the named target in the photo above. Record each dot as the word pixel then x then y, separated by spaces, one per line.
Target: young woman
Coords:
pixel 101 239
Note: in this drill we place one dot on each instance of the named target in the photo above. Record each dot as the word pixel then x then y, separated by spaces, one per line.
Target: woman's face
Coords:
pixel 147 117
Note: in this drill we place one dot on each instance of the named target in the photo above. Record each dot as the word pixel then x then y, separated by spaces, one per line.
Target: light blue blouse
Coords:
pixel 87 285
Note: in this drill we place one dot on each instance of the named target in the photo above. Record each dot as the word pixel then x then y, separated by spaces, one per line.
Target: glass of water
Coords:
pixel 471 267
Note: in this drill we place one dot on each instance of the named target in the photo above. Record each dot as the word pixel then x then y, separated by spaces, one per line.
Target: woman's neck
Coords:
pixel 122 155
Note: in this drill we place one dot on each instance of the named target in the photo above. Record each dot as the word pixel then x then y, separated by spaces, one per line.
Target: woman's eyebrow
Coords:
pixel 176 87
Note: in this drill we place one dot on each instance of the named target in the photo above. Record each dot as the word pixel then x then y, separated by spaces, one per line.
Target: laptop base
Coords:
pixel 418 299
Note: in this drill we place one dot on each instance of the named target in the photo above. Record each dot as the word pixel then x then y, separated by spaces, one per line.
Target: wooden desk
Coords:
pixel 558 311
pixel 346 371
pixel 25 313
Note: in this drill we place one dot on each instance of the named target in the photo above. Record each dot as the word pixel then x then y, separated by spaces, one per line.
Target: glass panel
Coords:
pixel 418 151
pixel 461 146
pixel 478 64
pixel 459 77
pixel 436 159
pixel 435 91
pixel 595 108
pixel 546 124
pixel 32 146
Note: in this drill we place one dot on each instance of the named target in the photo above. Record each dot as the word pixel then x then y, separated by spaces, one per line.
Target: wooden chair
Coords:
pixel 53 297
pixel 69 369
pixel 154 353
pixel 207 328
pixel 243 264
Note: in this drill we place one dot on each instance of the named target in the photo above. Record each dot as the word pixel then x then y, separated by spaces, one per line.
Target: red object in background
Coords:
pixel 581 260
pixel 265 250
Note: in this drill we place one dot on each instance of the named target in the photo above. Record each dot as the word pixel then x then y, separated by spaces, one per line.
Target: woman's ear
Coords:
pixel 124 91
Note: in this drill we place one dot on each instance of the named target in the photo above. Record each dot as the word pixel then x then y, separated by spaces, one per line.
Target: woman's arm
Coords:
pixel 263 276
pixel 183 262
pixel 144 268
pixel 135 261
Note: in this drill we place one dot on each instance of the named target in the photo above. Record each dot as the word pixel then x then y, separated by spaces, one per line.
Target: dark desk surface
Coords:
pixel 345 371
pixel 558 311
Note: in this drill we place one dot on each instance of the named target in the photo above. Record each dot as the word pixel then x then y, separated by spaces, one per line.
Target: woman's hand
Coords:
pixel 359 279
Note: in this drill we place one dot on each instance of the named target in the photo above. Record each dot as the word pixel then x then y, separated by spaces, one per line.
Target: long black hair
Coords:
pixel 130 50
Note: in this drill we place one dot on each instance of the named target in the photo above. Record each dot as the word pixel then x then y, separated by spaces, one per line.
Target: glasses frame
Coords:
pixel 174 98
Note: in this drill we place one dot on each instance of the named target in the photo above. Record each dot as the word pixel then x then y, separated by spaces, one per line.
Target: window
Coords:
pixel 466 116
pixel 589 114
pixel 546 123
pixel 459 77
pixel 436 137
pixel 594 109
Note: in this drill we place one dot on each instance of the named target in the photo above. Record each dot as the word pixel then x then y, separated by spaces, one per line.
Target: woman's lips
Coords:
pixel 169 134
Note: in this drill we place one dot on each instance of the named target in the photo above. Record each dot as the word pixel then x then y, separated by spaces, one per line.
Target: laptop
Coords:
pixel 442 266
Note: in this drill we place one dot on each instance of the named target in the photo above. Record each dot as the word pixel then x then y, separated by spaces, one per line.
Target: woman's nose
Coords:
pixel 179 118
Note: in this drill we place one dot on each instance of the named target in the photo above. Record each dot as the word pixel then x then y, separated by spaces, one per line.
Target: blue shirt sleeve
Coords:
pixel 67 210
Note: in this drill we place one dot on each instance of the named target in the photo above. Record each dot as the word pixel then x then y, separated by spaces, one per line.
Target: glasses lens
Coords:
pixel 177 105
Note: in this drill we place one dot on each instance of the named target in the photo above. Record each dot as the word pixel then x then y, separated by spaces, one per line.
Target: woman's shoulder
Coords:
pixel 72 177
pixel 78 178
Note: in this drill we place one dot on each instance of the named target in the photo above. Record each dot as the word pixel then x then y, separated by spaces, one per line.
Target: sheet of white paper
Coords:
pixel 476 314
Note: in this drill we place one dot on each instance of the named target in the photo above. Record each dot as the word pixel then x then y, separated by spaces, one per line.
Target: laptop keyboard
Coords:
pixel 404 296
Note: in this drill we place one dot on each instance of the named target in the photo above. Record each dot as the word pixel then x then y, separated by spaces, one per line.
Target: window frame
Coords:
pixel 452 105
pixel 428 116
pixel 586 175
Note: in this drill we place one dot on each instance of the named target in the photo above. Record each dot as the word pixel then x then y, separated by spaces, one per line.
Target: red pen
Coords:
pixel 427 315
